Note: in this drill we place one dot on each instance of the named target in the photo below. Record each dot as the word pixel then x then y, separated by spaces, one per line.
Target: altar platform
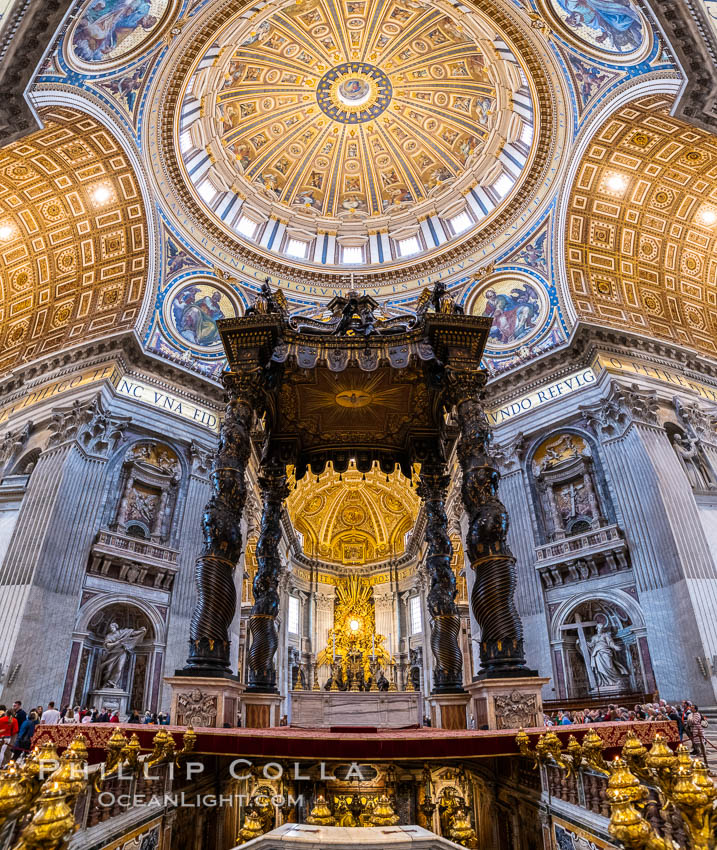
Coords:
pixel 353 743
pixel 382 709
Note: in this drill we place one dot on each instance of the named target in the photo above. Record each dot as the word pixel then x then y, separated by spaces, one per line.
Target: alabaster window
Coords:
pixel 460 222
pixel 297 248
pixel 352 255
pixel 414 614
pixel 409 246
pixel 294 609
pixel 246 227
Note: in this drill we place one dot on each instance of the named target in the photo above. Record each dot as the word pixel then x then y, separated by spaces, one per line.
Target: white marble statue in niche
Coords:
pixel 119 645
pixel 697 468
pixel 604 660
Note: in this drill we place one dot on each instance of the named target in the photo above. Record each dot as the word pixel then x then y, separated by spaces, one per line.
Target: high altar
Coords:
pixel 354 391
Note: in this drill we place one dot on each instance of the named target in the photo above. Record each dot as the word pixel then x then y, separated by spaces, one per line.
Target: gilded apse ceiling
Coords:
pixel 353 519
pixel 73 238
pixel 641 227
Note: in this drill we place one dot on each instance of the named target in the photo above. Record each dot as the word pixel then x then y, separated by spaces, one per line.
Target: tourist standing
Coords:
pixel 8 730
pixel 696 724
pixel 50 716
pixel 23 742
pixel 19 712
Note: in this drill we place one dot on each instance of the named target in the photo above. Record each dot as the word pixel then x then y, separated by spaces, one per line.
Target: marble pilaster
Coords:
pixel 44 567
pixel 663 533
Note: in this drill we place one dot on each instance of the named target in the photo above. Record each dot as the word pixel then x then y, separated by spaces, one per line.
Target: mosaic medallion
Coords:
pixel 354 92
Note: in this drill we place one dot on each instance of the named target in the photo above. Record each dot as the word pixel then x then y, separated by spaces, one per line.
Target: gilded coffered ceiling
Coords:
pixel 641 227
pixel 354 518
pixel 73 238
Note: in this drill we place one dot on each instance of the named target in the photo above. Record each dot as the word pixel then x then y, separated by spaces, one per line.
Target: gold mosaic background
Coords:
pixel 70 270
pixel 643 259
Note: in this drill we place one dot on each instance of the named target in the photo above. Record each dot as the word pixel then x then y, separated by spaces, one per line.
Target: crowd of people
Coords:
pixel 17 726
pixel 691 723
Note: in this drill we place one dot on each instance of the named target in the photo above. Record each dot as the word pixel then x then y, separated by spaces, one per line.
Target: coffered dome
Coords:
pixel 336 135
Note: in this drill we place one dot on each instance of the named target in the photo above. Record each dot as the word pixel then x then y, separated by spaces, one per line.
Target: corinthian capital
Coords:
pixel 97 431
pixel 612 415
pixel 697 420
pixel 464 384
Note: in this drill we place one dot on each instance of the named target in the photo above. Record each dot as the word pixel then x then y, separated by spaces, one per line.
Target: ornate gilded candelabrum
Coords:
pixel 14 792
pixel 20 786
pixel 383 813
pixel 392 678
pixel 53 821
pixel 321 814
pixel 253 828
pixel 626 797
pixel 71 774
pixel 461 831
pixel 681 782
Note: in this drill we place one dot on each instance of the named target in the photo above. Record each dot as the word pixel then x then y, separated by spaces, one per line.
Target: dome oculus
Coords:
pixel 354 92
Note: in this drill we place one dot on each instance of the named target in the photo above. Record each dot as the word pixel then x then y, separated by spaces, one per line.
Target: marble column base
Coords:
pixel 448 711
pixel 260 711
pixel 507 703
pixel 205 701
pixel 113 699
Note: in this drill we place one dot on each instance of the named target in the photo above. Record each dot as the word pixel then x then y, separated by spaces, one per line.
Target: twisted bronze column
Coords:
pixel 214 571
pixel 501 648
pixel 445 622
pixel 262 622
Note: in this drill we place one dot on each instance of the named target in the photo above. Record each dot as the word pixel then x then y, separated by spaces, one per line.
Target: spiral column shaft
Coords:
pixel 262 621
pixel 214 572
pixel 445 621
pixel 501 648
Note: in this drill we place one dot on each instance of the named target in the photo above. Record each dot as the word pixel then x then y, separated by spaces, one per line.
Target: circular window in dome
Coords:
pixel 191 310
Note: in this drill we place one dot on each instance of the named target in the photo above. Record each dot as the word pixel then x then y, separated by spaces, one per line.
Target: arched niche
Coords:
pixel 570 497
pixel 140 666
pixel 600 647
pixel 149 486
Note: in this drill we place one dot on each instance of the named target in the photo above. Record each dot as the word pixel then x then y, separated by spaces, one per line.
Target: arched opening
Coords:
pixel 118 659
pixel 598 651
